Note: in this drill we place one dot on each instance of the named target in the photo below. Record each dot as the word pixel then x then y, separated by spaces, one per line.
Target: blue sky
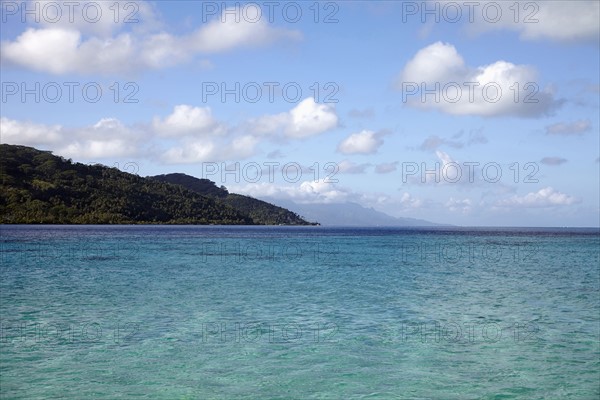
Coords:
pixel 527 155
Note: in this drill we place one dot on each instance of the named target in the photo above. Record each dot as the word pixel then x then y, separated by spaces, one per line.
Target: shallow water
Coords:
pixel 305 312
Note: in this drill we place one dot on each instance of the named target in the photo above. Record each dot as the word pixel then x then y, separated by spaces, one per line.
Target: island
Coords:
pixel 38 187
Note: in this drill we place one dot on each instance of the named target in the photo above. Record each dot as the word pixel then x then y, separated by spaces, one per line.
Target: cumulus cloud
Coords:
pixel 546 197
pixel 307 192
pixel 98 18
pixel 435 63
pixel 364 142
pixel 202 138
pixel 307 119
pixel 242 147
pixel 569 128
pixel 106 138
pixel 563 21
pixel 28 133
pixel 105 148
pixel 226 33
pixel 500 88
pixel 188 120
pixel 553 160
pixel 323 192
pixel 193 151
pixel 109 138
pixel 187 135
pixel 62 49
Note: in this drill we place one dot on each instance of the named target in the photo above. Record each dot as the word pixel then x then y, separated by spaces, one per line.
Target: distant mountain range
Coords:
pixel 348 214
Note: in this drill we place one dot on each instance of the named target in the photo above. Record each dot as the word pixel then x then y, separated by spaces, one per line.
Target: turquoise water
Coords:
pixel 298 313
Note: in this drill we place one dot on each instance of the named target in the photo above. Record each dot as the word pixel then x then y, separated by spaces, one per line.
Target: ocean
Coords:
pixel 221 312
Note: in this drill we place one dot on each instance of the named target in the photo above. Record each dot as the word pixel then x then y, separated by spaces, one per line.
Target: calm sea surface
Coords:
pixel 155 312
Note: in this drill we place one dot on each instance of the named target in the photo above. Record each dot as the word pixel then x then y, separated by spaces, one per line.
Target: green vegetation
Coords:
pixel 261 212
pixel 37 187
pixel 204 187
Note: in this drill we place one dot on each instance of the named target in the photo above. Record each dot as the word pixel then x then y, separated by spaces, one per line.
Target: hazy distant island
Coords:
pixel 351 215
pixel 37 187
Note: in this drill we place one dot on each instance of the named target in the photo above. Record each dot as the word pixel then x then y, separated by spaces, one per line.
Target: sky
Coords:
pixel 468 113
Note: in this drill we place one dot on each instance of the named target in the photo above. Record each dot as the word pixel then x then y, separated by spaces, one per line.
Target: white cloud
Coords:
pixel 193 152
pixel 407 201
pixel 307 192
pixel 463 206
pixel 500 88
pixel 28 133
pixel 434 63
pixel 66 48
pixel 562 21
pixel 100 18
pixel 106 138
pixel 364 142
pixel 192 135
pixel 219 35
pixel 322 192
pixel 242 147
pixel 269 124
pixel 161 50
pixel 105 125
pixel 569 128
pixel 188 120
pixel 104 148
pixel 307 119
pixel 206 150
pixel 48 50
pixel 546 197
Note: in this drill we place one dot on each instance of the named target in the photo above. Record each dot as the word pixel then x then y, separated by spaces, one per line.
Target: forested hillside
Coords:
pixel 39 187
pixel 261 212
